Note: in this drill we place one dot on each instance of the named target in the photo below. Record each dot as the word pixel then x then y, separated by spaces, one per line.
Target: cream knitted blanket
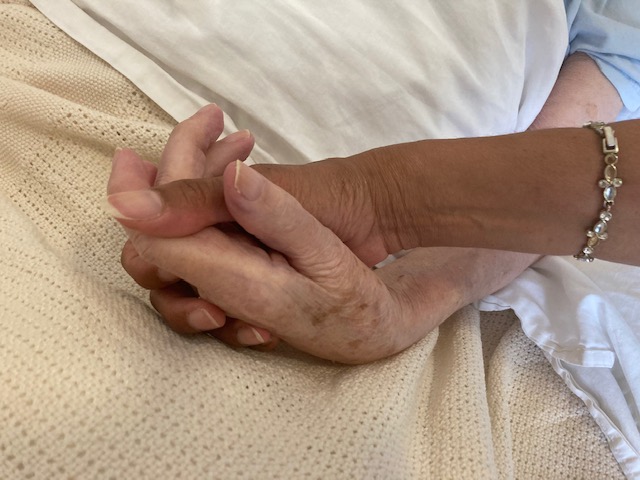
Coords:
pixel 93 385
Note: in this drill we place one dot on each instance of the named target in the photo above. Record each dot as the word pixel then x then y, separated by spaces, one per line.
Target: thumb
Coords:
pixel 175 209
pixel 279 221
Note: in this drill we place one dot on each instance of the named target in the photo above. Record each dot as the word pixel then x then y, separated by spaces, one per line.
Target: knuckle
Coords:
pixel 142 272
pixel 127 257
pixel 145 247
pixel 180 130
pixel 190 194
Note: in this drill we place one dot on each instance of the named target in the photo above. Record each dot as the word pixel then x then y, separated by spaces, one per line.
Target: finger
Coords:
pixel 193 152
pixel 236 146
pixel 175 209
pixel 237 333
pixel 150 277
pixel 185 153
pixel 223 269
pixel 146 275
pixel 184 311
pixel 130 172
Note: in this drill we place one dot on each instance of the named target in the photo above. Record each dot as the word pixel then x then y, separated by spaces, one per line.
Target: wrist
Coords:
pixel 505 192
pixel 397 198
pixel 419 192
pixel 336 192
pixel 489 192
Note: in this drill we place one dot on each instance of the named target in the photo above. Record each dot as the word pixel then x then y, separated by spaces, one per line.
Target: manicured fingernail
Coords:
pixel 136 205
pixel 248 182
pixel 237 136
pixel 249 337
pixel 202 321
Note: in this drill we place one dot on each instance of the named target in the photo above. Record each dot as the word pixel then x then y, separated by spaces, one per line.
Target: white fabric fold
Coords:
pixel 313 80
pixel 586 318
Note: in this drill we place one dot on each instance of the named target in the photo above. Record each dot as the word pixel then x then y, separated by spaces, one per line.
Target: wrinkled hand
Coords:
pixel 335 308
pixel 193 151
pixel 300 282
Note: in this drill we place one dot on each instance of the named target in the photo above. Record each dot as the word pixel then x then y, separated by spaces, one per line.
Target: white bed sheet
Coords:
pixel 313 82
pixel 586 318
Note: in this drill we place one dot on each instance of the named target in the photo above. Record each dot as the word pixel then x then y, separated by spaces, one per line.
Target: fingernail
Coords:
pixel 209 105
pixel 115 158
pixel 136 205
pixel 249 337
pixel 237 136
pixel 202 321
pixel 248 182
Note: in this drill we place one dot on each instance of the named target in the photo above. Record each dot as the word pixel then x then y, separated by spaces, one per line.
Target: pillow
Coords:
pixel 314 80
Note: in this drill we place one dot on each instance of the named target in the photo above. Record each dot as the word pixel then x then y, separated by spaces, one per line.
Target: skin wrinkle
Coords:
pixel 375 169
pixel 369 329
pixel 363 339
pixel 193 194
pixel 348 189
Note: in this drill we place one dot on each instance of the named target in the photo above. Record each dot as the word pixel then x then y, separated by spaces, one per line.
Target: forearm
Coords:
pixel 580 94
pixel 534 192
pixel 438 281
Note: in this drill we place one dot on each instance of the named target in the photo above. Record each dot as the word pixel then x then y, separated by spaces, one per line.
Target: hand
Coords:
pixel 431 283
pixel 193 151
pixel 301 282
pixel 336 191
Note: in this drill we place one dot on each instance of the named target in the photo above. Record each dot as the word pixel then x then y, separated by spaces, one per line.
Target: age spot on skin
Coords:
pixel 321 317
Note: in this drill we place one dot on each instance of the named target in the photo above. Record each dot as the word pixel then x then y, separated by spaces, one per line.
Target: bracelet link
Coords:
pixel 610 184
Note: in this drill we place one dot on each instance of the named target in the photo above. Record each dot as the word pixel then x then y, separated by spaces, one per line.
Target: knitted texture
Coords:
pixel 93 385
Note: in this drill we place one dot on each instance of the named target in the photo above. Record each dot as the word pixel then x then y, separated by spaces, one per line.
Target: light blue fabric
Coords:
pixel 609 32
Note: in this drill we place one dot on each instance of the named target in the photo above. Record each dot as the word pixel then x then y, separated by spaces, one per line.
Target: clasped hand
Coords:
pixel 225 250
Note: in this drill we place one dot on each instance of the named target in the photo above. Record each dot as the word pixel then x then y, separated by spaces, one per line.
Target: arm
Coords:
pixel 581 93
pixel 423 193
pixel 547 193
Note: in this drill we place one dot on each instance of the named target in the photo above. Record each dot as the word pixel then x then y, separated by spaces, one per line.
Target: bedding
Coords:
pixel 314 81
pixel 95 386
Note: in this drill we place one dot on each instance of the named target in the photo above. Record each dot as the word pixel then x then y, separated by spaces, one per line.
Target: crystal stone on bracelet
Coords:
pixel 610 184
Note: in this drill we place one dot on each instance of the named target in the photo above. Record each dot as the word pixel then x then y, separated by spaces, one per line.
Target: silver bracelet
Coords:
pixel 609 184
